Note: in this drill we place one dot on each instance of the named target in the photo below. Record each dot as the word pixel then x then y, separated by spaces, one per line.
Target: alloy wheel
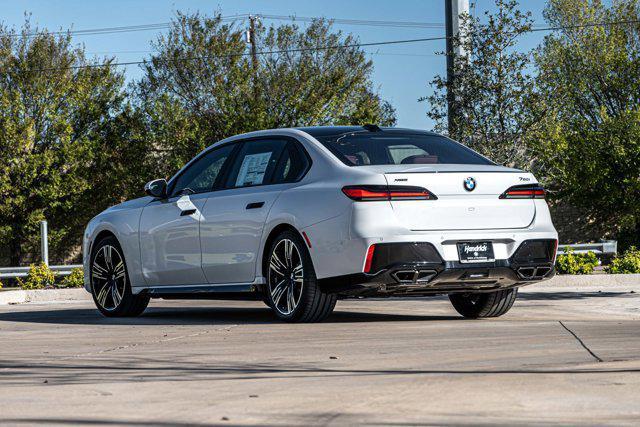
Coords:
pixel 286 276
pixel 108 277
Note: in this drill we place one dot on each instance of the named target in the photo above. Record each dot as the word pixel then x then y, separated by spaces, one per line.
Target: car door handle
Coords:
pixel 256 205
pixel 187 212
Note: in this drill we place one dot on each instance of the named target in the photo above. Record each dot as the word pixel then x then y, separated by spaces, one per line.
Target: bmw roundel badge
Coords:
pixel 469 184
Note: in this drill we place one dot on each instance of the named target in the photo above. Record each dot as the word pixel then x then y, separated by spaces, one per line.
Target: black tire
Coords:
pixel 311 304
pixel 117 299
pixel 481 305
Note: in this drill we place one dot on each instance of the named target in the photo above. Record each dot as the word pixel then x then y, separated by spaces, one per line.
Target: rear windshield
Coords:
pixel 392 148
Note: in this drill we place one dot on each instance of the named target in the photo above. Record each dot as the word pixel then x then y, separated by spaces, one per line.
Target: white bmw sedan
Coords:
pixel 303 217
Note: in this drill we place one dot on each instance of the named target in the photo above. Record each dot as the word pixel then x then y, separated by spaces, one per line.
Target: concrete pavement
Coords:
pixel 560 356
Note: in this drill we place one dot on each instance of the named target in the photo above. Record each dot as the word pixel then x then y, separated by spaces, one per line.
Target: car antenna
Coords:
pixel 372 128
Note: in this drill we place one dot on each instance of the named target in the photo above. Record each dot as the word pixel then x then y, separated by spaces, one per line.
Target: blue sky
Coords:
pixel 401 72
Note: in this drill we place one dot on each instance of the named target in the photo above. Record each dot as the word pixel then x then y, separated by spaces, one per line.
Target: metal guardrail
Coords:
pixel 606 247
pixel 60 270
pixel 13 272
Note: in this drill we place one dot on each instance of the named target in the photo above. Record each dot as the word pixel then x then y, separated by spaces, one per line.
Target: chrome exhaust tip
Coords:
pixel 425 276
pixel 533 273
pixel 413 276
pixel 404 276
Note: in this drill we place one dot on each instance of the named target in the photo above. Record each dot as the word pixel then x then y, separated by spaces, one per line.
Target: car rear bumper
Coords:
pixel 432 275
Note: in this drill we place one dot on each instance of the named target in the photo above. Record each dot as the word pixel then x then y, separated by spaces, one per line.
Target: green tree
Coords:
pixel 53 119
pixel 492 86
pixel 589 141
pixel 203 85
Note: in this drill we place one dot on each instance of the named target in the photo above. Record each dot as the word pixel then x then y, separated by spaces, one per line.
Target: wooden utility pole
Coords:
pixel 254 54
pixel 452 10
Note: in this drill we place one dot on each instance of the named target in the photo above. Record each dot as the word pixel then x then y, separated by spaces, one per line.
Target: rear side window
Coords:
pixel 396 148
pixel 255 163
pixel 292 165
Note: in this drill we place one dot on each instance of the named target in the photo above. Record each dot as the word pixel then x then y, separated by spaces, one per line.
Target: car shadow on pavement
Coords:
pixel 197 315
pixel 554 296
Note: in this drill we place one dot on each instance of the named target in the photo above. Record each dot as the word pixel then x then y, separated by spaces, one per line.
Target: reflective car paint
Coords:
pixel 170 241
pixel 339 229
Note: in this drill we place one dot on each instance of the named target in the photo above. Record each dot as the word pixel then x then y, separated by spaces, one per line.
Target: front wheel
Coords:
pixel 292 290
pixel 110 286
pixel 479 305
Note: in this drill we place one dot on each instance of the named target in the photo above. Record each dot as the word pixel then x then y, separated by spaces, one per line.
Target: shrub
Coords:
pixel 39 277
pixel 626 264
pixel 572 263
pixel 73 280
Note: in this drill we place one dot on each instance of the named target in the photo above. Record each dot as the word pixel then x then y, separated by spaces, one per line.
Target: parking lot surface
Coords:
pixel 560 356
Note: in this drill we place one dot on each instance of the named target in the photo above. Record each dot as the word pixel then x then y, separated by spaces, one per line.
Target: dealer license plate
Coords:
pixel 475 251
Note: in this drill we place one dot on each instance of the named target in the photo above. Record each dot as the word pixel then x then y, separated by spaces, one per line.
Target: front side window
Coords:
pixel 255 163
pixel 397 148
pixel 202 174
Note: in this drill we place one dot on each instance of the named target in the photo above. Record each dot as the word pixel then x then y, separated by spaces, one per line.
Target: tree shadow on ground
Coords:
pixel 130 368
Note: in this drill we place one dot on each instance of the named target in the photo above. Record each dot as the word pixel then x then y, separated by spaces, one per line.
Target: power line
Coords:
pixel 339 21
pixel 166 25
pixel 366 22
pixel 122 29
pixel 114 52
pixel 268 52
pixel 590 25
pixel 389 42
pixel 415 55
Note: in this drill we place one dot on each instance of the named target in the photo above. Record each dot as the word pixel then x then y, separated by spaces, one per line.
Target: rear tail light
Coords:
pixel 369 193
pixel 369 259
pixel 528 191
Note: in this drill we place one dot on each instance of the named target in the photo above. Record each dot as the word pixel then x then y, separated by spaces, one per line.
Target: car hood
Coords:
pixel 130 204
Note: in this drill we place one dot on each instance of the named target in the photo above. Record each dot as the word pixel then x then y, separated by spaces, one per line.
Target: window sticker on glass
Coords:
pixel 253 169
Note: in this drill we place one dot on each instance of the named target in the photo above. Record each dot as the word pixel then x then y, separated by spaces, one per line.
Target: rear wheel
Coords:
pixel 480 305
pixel 292 290
pixel 110 286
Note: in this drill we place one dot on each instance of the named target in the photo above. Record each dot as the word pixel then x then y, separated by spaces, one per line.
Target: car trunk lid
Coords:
pixel 459 206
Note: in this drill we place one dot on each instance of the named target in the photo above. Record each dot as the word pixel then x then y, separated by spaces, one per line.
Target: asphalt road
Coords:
pixel 558 357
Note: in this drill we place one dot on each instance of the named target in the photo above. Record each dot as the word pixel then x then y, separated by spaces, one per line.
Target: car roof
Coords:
pixel 323 131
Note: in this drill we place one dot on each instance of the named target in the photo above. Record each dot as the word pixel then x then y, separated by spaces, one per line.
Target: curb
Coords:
pixel 591 281
pixel 43 295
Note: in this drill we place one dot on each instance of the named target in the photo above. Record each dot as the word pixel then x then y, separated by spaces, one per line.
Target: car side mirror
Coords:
pixel 156 188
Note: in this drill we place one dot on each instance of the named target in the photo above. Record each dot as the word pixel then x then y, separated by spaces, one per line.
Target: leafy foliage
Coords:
pixel 588 143
pixel 492 86
pixel 40 276
pixel 202 86
pixel 73 280
pixel 73 140
pixel 576 263
pixel 53 120
pixel 628 263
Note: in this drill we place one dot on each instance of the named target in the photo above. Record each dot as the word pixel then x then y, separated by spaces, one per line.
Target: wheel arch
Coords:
pixel 275 231
pixel 128 241
pixel 101 235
